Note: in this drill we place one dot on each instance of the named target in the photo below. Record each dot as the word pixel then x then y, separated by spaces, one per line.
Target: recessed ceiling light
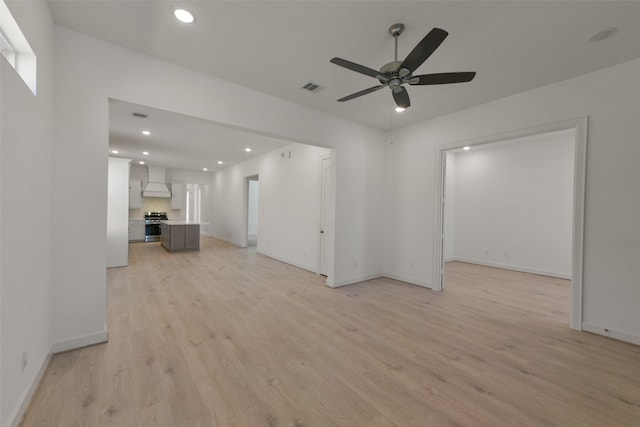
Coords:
pixel 220 162
pixel 400 109
pixel 146 153
pixel 141 162
pixel 114 151
pixel 601 35
pixel 467 148
pixel 184 16
pixel 204 169
pixel 146 132
pixel 248 150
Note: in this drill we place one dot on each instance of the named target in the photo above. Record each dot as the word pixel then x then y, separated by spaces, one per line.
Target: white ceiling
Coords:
pixel 179 141
pixel 278 46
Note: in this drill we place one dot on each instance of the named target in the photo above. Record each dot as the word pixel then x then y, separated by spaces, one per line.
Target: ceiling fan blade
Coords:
pixel 442 78
pixel 362 92
pixel 424 49
pixel 356 67
pixel 401 96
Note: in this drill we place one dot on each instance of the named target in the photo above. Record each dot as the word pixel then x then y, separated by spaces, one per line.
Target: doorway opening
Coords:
pixel 253 193
pixel 495 209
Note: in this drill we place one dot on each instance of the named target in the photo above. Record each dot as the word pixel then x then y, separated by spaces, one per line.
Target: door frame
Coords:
pixel 580 126
pixel 245 210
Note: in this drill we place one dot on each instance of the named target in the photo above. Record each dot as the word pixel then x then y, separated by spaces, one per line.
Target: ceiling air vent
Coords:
pixel 312 87
pixel 140 115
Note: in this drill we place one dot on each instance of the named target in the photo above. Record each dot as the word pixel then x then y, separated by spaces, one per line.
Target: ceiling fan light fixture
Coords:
pixel 184 16
pixel 400 109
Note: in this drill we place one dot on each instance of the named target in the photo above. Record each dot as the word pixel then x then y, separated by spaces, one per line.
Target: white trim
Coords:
pixel 580 125
pixel 286 261
pixel 79 342
pixel 514 268
pixel 15 418
pixel 409 280
pixel 612 333
pixel 579 189
pixel 231 242
pixel 354 280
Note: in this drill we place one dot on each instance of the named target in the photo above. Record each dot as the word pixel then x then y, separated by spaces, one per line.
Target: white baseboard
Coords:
pixel 15 418
pixel 612 333
pixel 409 280
pixel 231 242
pixel 79 342
pixel 514 268
pixel 313 269
pixel 353 280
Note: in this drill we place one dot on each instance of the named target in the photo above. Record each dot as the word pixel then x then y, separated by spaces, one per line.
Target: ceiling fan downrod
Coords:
pixel 395 30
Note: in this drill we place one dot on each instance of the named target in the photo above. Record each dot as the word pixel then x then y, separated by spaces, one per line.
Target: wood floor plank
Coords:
pixel 227 337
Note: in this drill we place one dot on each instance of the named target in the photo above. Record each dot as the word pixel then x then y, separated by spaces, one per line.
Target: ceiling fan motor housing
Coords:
pixel 394 76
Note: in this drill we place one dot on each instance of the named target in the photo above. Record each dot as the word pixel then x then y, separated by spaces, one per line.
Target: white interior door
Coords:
pixel 325 206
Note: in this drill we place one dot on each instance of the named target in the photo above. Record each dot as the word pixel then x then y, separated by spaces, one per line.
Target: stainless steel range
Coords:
pixel 152 225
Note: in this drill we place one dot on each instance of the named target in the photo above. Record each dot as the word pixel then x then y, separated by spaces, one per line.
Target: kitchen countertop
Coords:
pixel 178 222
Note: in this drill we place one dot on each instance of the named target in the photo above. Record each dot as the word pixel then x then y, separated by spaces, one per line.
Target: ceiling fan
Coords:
pixel 395 74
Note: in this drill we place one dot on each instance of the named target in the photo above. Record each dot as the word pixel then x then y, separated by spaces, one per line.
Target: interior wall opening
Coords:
pixel 508 215
pixel 253 197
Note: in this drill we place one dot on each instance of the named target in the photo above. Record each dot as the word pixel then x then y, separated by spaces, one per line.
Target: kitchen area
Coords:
pixel 165 211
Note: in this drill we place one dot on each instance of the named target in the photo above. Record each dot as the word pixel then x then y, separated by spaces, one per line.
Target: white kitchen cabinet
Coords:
pixel 136 230
pixel 135 194
pixel 177 195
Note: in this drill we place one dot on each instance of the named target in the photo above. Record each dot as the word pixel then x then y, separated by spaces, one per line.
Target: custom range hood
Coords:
pixel 156 186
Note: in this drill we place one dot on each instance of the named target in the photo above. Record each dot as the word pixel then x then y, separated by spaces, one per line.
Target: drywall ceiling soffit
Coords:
pixel 178 141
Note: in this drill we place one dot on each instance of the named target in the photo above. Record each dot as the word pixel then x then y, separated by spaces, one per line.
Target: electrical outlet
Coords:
pixel 23 361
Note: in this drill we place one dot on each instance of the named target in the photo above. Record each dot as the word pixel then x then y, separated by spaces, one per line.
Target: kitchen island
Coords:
pixel 180 236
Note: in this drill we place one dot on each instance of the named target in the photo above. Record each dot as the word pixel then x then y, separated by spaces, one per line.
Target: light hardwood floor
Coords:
pixel 227 337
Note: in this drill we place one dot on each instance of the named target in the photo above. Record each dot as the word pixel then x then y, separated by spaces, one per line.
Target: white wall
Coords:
pixel 514 204
pixel 611 99
pixel 25 214
pixel 118 213
pixel 89 72
pixel 288 217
